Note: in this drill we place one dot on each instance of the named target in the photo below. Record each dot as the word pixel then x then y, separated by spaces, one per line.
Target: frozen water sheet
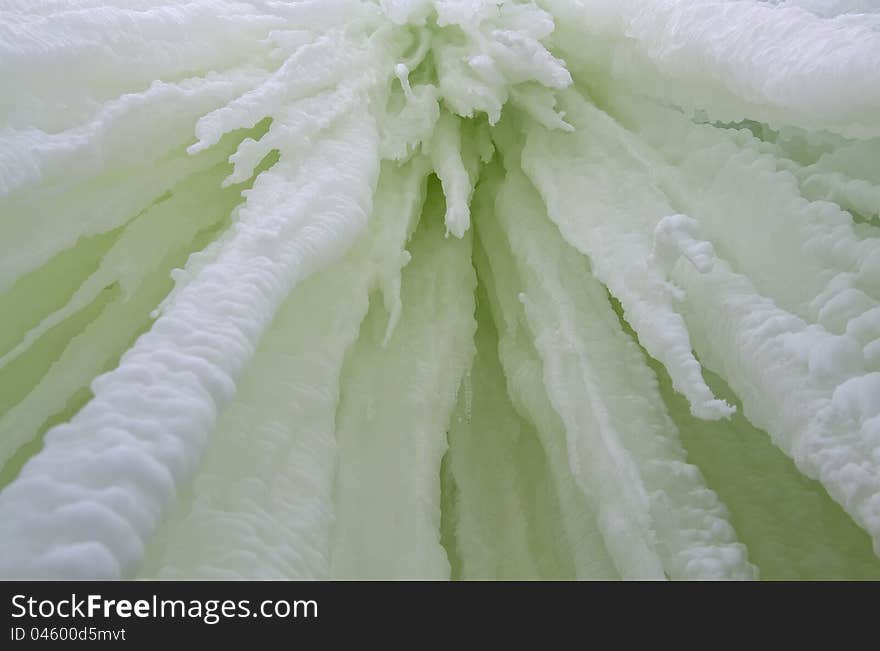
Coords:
pixel 440 289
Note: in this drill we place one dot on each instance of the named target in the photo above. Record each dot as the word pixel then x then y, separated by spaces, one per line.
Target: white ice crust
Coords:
pixel 709 166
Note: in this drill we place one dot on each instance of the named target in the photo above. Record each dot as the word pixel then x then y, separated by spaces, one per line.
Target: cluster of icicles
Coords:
pixel 439 289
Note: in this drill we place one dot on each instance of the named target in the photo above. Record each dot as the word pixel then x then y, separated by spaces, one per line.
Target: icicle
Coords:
pixel 393 416
pixel 148 423
pixel 216 328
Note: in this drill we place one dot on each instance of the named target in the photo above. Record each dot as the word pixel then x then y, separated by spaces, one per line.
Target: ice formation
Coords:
pixel 440 289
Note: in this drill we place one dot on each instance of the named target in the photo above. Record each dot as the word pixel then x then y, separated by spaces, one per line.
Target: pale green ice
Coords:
pixel 440 289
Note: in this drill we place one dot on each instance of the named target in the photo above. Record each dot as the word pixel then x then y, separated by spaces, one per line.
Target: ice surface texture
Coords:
pixel 440 289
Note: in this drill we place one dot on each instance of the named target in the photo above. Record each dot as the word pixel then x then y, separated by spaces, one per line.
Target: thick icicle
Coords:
pixel 394 411
pixel 633 468
pixel 507 520
pixel 266 484
pixel 85 505
pixel 612 219
pixel 525 384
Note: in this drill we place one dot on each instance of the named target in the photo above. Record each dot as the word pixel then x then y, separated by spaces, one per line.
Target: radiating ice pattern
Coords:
pixel 440 289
